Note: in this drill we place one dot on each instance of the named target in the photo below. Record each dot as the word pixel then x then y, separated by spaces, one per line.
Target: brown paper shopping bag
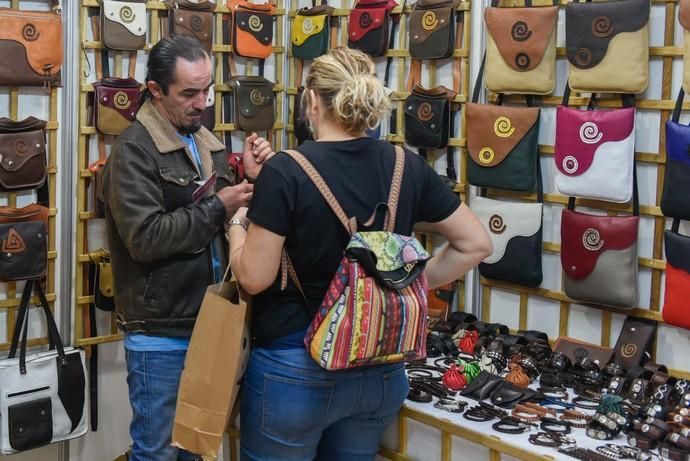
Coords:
pixel 215 362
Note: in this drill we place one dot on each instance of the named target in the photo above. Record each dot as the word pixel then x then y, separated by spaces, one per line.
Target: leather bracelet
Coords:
pixel 418 395
pixel 559 362
pixel 510 425
pixel 535 408
pixel 654 411
pixel 638 391
pixel 450 405
pixel 419 373
pixel 585 403
pixel 556 404
pixel 680 419
pixel 556 392
pixel 554 425
pixel 551 378
pixel 576 418
pixel 679 440
pixel 524 416
pixel 673 453
pixel 551 439
pixel 478 413
pixel 617 385
pixel 584 454
pixel 642 441
pixel 679 428
pixel 654 431
pixel 605 421
pixel 655 367
pixel 685 400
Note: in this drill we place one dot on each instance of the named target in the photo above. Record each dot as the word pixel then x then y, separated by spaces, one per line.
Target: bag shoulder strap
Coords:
pixel 350 224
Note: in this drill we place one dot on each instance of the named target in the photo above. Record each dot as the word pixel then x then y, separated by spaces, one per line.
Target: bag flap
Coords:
pixel 678 142
pixel 115 82
pixel 435 92
pixel 521 34
pixel 392 251
pixel 385 4
pixel 363 20
pixel 424 22
pixel 18 148
pixel 494 131
pixel 506 220
pixel 205 5
pixel 305 26
pixel 429 112
pixel 242 5
pixel 124 99
pixel 131 16
pixel 684 14
pixel 32 212
pixel 19 241
pixel 590 27
pixel 252 94
pixel 8 125
pixel 199 23
pixel 580 133
pixel 584 237
pixel 677 248
pixel 259 25
pixel 576 350
pixel 40 33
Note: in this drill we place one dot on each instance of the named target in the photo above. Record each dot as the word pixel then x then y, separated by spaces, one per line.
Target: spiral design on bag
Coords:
pixel 126 14
pixel 602 27
pixel 486 155
pixel 21 148
pixel 197 23
pixel 570 164
pixel 629 350
pixel 580 353
pixel 429 20
pixel 583 57
pixel 425 112
pixel 520 31
pixel 589 133
pixel 592 240
pixel 365 20
pixel 257 98
pixel 255 24
pixel 522 60
pixel 307 26
pixel 121 100
pixel 503 127
pixel 496 224
pixel 30 33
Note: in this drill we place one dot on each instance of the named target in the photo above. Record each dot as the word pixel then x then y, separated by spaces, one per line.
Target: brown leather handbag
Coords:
pixel 189 18
pixel 123 24
pixel 432 29
pixel 252 29
pixel 24 251
pixel 427 117
pixel 22 154
pixel 254 103
pixel 577 350
pixel 117 103
pixel 31 47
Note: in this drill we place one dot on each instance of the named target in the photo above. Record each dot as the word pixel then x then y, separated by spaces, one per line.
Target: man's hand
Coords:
pixel 256 151
pixel 234 197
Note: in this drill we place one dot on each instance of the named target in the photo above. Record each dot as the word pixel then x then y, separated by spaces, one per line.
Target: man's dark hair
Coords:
pixel 163 56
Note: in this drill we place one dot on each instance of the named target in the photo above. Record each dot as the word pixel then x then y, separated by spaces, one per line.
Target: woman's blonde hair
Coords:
pixel 346 81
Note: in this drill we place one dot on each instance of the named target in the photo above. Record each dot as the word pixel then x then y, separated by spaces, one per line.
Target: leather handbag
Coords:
pixel 634 344
pixel 42 394
pixel 369 26
pixel 96 169
pixel 515 230
pixel 599 256
pixel 482 386
pixel 595 153
pixel 117 103
pixel 432 29
pixel 22 154
pixel 577 350
pixel 123 24
pixel 684 19
pixel 502 143
pixel 607 45
pixel 521 49
pixel 254 103
pixel 252 29
pixel 428 117
pixel 189 18
pixel 24 251
pixel 31 47
pixel 300 125
pixel 102 280
pixel 677 288
pixel 674 200
pixel 311 31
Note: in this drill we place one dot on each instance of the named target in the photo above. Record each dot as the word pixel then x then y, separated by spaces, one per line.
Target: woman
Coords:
pixel 291 408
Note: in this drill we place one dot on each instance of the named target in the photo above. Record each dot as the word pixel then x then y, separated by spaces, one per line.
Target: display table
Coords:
pixel 453 425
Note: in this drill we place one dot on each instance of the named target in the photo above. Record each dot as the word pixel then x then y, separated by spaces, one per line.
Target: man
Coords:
pixel 166 243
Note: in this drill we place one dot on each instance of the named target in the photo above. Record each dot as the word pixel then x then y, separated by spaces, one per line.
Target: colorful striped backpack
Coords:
pixel 375 309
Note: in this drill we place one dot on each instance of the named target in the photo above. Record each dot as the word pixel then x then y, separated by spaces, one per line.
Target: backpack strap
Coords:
pixel 394 192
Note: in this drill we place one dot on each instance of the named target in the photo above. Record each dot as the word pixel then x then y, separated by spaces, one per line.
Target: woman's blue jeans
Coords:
pixel 292 409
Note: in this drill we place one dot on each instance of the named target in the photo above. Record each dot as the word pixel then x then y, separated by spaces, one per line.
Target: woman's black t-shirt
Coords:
pixel 286 202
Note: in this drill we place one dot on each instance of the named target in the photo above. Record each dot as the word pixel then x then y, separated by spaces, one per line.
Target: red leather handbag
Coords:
pixel 676 307
pixel 369 26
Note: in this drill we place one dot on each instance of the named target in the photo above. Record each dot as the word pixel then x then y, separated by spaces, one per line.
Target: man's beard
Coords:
pixel 190 128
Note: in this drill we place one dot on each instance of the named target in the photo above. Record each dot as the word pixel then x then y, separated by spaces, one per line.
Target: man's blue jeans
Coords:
pixel 153 379
pixel 292 409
